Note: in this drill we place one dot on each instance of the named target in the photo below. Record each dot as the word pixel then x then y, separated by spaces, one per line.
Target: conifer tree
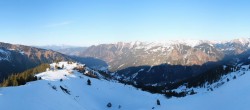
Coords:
pixel 158 102
pixel 109 105
pixel 234 77
pixel 89 82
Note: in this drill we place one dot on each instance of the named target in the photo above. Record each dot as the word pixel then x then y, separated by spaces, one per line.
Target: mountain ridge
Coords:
pixel 125 60
pixel 23 57
pixel 172 53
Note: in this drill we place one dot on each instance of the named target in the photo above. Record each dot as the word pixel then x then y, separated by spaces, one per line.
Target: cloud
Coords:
pixel 58 24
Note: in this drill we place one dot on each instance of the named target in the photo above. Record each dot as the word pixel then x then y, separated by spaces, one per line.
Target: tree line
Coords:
pixel 24 77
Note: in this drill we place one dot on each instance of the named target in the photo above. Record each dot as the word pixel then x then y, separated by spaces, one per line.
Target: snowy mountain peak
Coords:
pixel 163 44
pixel 242 40
pixel 191 43
pixel 187 42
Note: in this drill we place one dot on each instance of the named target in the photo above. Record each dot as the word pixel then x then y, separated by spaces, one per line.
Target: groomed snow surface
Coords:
pixel 40 95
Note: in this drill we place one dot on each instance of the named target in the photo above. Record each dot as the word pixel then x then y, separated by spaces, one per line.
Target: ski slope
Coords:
pixel 40 95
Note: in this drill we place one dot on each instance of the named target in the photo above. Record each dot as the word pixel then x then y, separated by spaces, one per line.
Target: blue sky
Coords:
pixel 87 22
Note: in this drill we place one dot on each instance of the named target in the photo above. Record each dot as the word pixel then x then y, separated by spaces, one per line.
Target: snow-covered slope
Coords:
pixel 224 80
pixel 4 55
pixel 47 94
pixel 233 95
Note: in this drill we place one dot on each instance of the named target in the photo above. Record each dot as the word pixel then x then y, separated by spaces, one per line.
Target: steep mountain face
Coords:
pixel 123 55
pixel 17 58
pixel 168 62
pixel 234 47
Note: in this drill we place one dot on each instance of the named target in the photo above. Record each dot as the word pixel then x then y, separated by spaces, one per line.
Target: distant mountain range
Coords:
pixel 65 49
pixel 192 52
pixel 166 62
